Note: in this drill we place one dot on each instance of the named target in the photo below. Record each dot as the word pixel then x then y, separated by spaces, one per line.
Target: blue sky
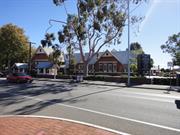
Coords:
pixel 162 19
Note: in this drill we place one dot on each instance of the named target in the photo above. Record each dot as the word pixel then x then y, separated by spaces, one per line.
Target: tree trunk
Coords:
pixel 85 69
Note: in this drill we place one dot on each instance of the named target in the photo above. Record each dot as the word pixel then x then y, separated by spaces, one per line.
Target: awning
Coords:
pixel 44 65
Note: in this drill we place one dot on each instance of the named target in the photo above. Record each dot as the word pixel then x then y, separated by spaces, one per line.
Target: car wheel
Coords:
pixel 29 81
pixel 18 81
pixel 8 80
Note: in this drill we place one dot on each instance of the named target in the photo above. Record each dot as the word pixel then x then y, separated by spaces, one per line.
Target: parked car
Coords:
pixel 19 77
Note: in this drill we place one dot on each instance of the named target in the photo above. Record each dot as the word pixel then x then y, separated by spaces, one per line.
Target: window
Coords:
pixel 40 70
pixel 105 68
pixel 100 67
pixel 80 67
pixel 21 69
pixel 110 67
pixel 47 70
pixel 40 50
pixel 114 67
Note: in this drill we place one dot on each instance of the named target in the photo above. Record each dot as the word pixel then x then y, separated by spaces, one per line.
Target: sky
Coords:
pixel 161 20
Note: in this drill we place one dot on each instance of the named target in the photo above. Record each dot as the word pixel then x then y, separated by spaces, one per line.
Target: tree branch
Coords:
pixel 50 23
pixel 107 42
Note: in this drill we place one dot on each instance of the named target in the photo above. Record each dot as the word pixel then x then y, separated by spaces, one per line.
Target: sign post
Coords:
pixel 170 65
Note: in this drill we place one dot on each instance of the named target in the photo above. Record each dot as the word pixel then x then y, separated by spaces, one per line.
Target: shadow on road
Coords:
pixel 18 93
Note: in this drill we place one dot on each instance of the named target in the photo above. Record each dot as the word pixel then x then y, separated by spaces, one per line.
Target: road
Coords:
pixel 130 110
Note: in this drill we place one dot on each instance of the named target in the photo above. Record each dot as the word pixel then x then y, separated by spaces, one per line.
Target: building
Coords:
pixel 42 64
pixel 155 70
pixel 20 67
pixel 108 62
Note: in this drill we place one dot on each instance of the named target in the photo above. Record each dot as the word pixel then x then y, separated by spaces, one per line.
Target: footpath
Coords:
pixel 27 125
pixel 103 83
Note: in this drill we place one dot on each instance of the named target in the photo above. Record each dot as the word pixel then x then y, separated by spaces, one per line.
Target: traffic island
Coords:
pixel 20 125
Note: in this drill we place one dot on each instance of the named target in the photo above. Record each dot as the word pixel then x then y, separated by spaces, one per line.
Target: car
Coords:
pixel 19 77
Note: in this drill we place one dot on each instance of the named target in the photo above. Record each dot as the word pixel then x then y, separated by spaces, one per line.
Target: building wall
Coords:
pixel 40 57
pixel 112 65
pixel 111 62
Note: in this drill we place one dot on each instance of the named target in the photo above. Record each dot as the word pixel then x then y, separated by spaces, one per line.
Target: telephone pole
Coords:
pixel 29 62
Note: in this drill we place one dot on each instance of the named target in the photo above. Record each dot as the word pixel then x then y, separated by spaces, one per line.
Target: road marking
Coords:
pixel 145 98
pixel 68 120
pixel 148 94
pixel 110 115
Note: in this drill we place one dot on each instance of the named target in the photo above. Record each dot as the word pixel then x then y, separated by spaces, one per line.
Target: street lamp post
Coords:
pixel 128 45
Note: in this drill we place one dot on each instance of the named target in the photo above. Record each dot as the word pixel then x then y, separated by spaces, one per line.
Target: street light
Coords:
pixel 128 84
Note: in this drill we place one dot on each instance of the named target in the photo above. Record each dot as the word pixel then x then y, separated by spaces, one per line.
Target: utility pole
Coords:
pixel 29 63
pixel 69 59
pixel 128 84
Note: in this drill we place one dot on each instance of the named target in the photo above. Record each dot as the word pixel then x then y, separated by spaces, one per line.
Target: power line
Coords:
pixel 135 8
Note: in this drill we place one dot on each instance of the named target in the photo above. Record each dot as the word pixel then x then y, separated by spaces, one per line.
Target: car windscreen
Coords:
pixel 21 74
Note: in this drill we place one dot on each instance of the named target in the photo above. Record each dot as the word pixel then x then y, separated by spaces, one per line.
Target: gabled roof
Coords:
pixel 47 50
pixel 20 65
pixel 121 56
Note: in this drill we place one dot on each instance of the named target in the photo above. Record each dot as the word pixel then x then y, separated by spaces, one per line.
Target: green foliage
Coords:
pixel 55 57
pixel 135 46
pixel 172 46
pixel 58 2
pixel 151 63
pixel 133 68
pixel 49 37
pixel 136 49
pixel 13 45
pixel 176 60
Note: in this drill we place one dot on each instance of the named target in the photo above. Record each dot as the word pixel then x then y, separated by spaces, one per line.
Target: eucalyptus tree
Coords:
pixel 96 24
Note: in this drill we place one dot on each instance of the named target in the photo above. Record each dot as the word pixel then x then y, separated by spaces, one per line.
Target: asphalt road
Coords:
pixel 130 110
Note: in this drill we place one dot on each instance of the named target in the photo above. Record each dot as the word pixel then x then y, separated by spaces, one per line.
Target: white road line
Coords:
pixel 145 98
pixel 68 120
pixel 149 94
pixel 110 115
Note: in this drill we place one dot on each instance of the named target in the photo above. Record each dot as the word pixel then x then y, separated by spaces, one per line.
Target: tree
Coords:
pixel 172 46
pixel 98 23
pixel 72 61
pixel 135 46
pixel 13 45
pixel 136 49
pixel 54 57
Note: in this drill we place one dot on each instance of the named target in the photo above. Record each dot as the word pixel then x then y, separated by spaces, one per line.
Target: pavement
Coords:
pixel 25 125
